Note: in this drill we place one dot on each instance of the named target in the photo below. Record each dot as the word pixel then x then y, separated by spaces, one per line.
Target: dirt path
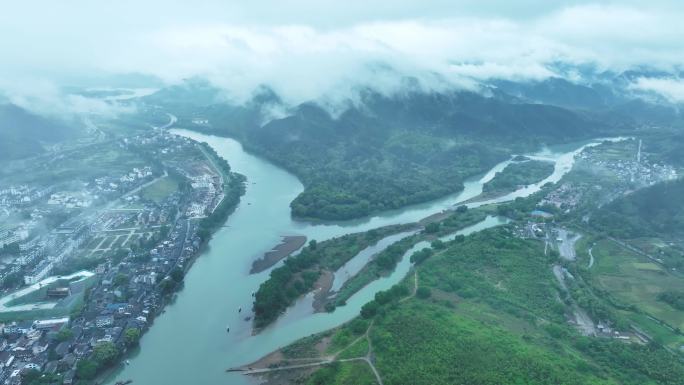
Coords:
pixel 415 287
pixel 368 358
pixel 591 258
pixel 584 323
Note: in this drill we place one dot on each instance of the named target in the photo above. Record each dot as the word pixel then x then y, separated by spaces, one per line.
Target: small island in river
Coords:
pixel 287 246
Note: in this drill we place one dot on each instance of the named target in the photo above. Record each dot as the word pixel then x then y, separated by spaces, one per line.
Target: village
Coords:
pixel 78 294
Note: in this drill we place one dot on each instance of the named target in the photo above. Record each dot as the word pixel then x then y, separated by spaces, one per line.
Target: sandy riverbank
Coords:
pixel 485 196
pixel 287 246
pixel 278 358
pixel 322 291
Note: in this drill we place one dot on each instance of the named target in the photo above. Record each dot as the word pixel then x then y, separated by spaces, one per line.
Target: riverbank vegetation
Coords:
pixel 299 273
pixel 386 261
pixel 518 174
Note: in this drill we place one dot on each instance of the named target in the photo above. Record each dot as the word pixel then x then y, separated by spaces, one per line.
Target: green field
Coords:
pixel 40 295
pixel 635 280
pixel 161 189
pixel 64 307
pixel 345 373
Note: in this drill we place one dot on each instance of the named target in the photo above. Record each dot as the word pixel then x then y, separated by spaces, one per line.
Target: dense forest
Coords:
pixel 658 209
pixel 381 153
pixel 298 274
pixel 518 174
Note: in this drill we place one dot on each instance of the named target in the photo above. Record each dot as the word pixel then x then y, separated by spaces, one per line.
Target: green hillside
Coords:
pixel 23 134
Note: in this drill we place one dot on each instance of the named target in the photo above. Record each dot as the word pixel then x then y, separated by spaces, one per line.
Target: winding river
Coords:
pixel 188 344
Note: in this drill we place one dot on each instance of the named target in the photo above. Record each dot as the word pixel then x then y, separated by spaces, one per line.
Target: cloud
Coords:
pixel 328 50
pixel 48 99
pixel 670 88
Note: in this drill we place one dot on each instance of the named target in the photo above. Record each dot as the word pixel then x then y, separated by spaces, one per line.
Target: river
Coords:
pixel 188 344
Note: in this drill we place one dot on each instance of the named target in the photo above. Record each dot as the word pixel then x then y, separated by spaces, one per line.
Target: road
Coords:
pixel 172 120
pixel 582 319
pixel 368 358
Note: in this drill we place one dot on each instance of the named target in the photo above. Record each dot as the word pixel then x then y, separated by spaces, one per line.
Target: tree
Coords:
pixel 105 353
pixel 12 280
pixel 423 292
pixel 177 274
pixel 369 310
pixel 64 334
pixel 120 279
pixel 86 369
pixel 10 249
pixel 461 209
pixel 30 376
pixel 167 285
pixel 419 256
pixel 432 228
pixel 437 244
pixel 41 379
pixel 131 336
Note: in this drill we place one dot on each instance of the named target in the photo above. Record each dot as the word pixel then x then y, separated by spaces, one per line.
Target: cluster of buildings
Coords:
pixel 109 186
pixel 24 347
pixel 10 235
pixel 128 291
pixel 615 172
pixel 23 195
pixel 638 170
pixel 207 188
pixel 70 200
pixel 565 197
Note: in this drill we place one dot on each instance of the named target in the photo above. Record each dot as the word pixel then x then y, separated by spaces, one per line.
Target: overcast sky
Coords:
pixel 313 48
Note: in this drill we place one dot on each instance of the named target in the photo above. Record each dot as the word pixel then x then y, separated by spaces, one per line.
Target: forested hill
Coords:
pixel 658 209
pixel 23 133
pixel 387 152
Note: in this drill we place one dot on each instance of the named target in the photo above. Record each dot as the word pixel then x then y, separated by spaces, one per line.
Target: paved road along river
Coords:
pixel 188 344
